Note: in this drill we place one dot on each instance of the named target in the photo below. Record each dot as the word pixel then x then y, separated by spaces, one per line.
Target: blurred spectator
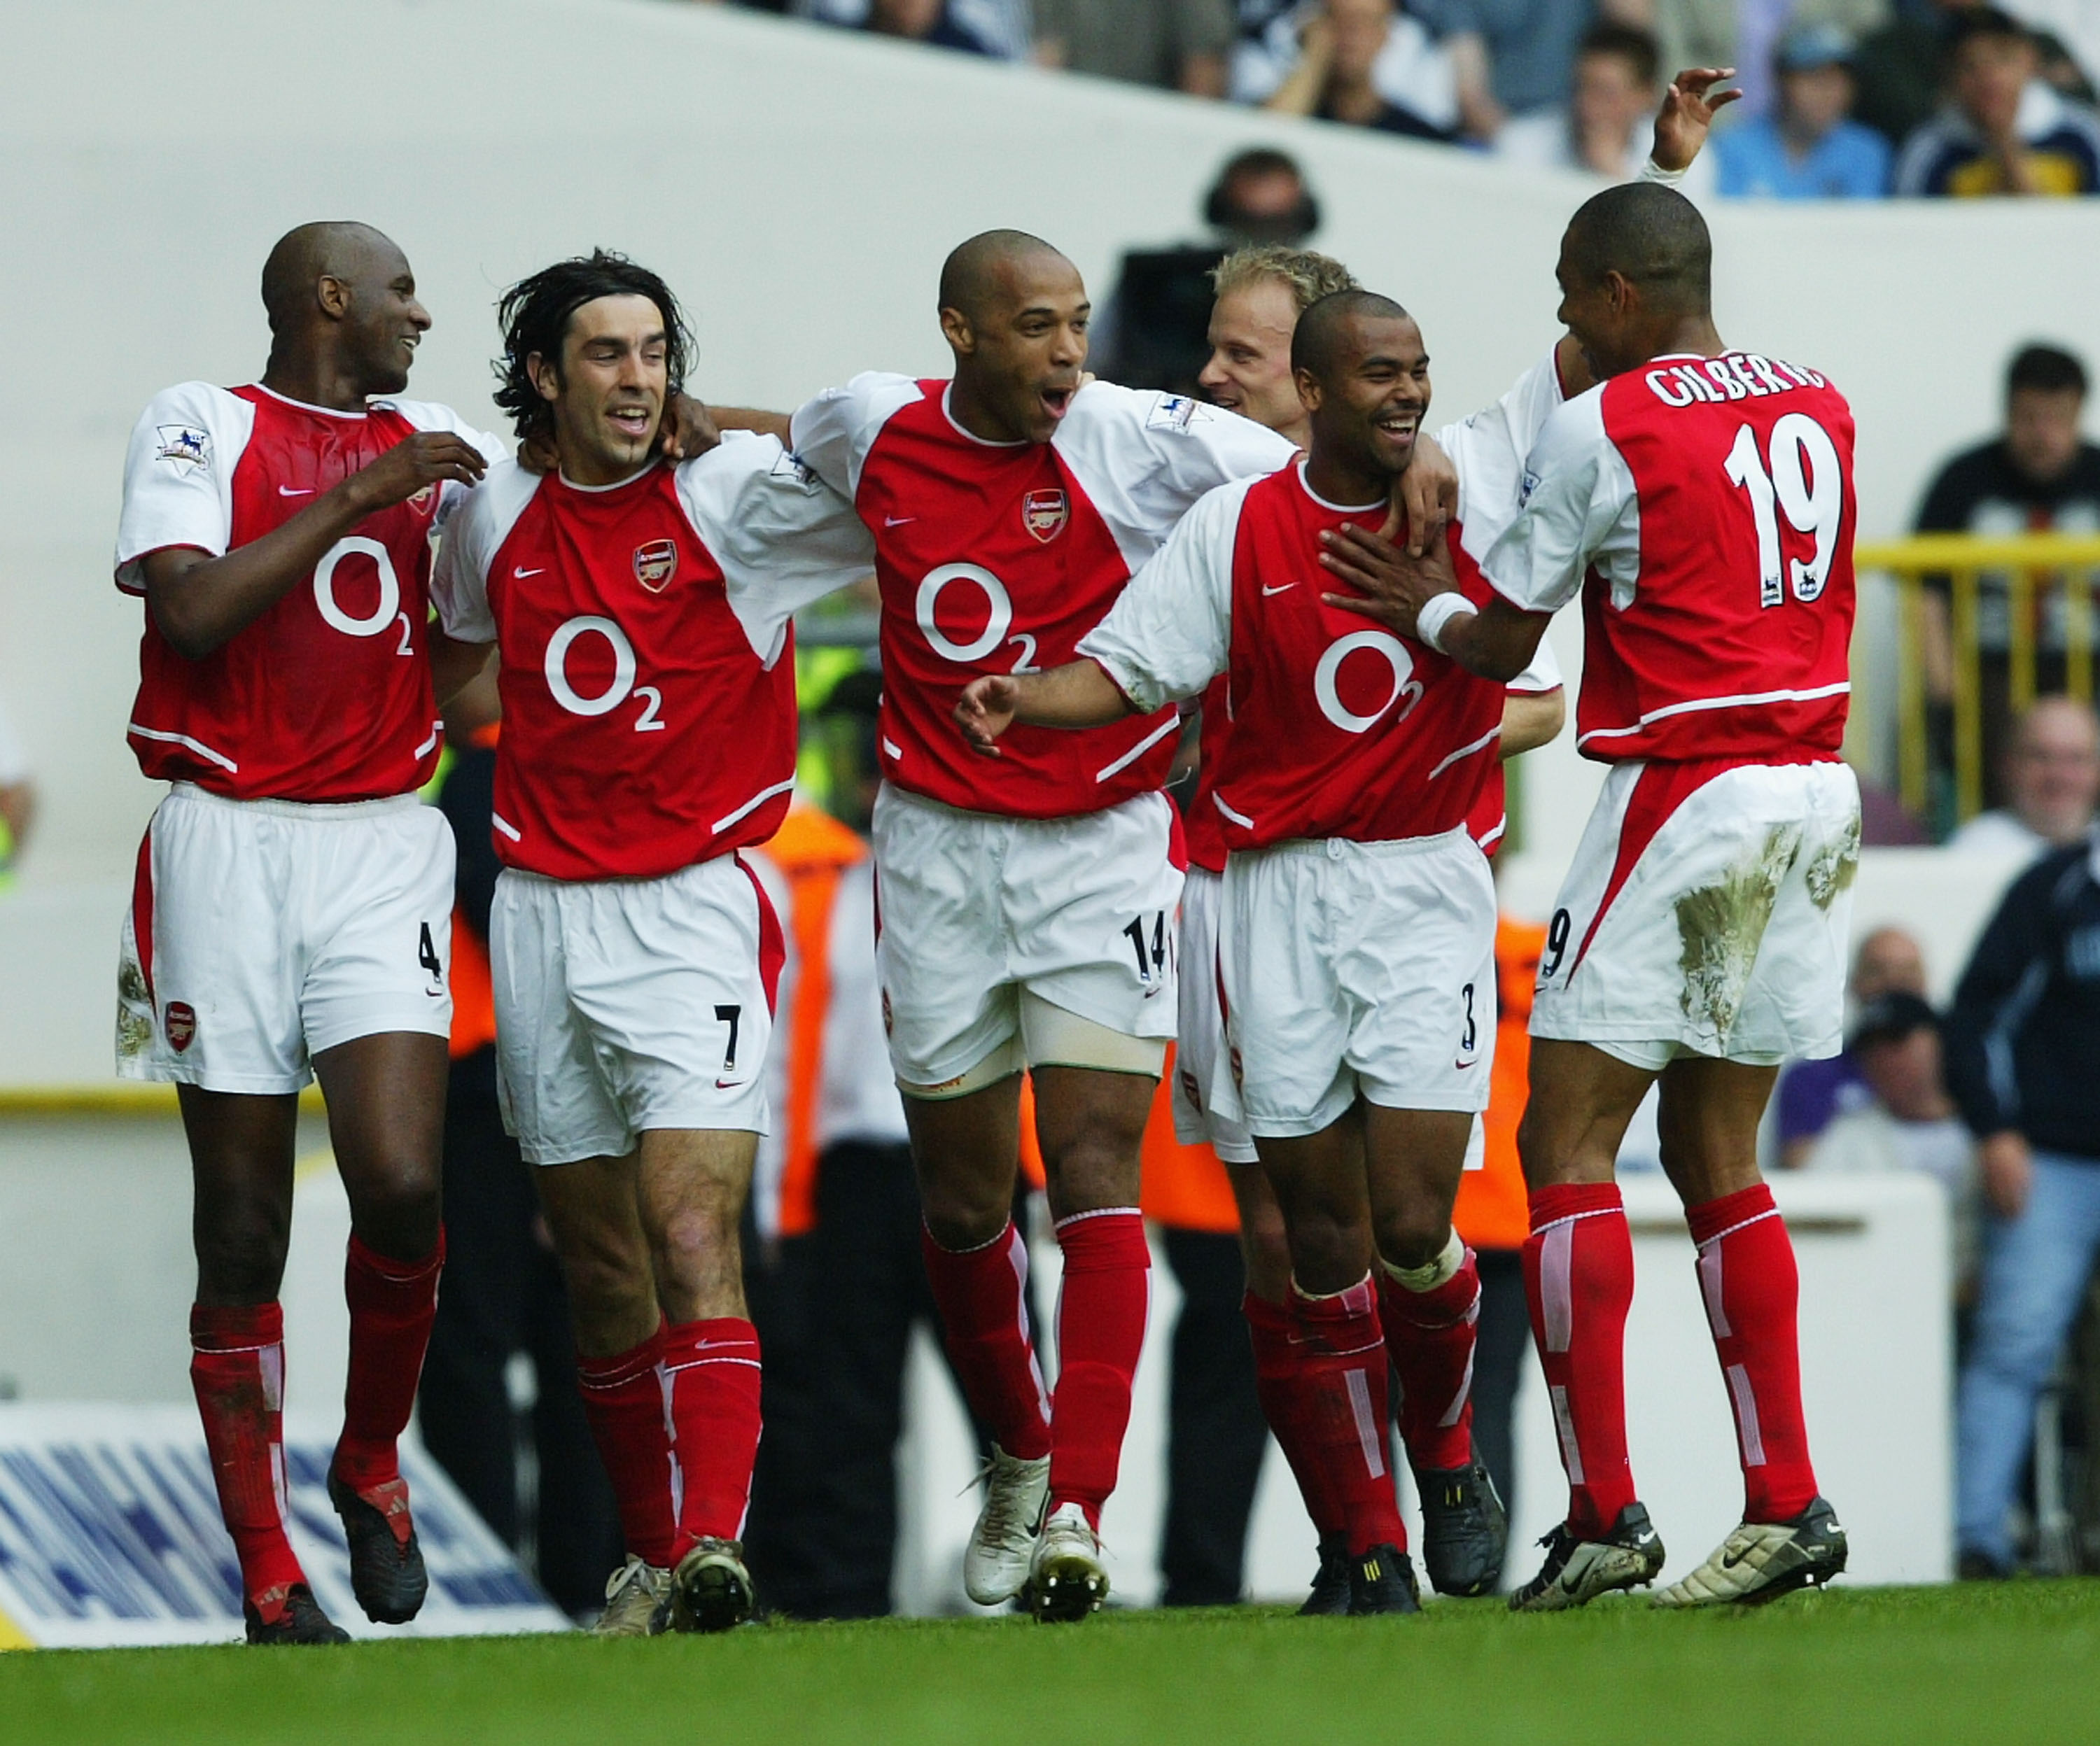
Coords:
pixel 932 22
pixel 1811 1095
pixel 1901 67
pixel 984 27
pixel 1177 45
pixel 1744 34
pixel 2072 26
pixel 1806 149
pixel 2052 779
pixel 1152 330
pixel 1334 80
pixel 1512 57
pixel 2039 475
pixel 2003 130
pixel 1908 1121
pixel 18 796
pixel 533 1475
pixel 2023 1062
pixel 1606 126
pixel 1298 63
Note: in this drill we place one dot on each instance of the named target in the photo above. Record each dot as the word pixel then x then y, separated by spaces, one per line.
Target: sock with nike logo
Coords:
pixel 1282 1385
pixel 1430 1334
pixel 1751 1289
pixel 1342 1355
pixel 623 1397
pixel 1102 1306
pixel 1578 1275
pixel 982 1295
pixel 392 1306
pixel 710 1375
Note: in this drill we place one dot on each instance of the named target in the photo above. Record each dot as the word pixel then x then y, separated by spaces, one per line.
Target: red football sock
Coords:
pixel 622 1398
pixel 1101 1311
pixel 1430 1335
pixel 237 1369
pixel 1281 1383
pixel 1752 1289
pixel 1342 1358
pixel 710 1375
pixel 982 1293
pixel 392 1304
pixel 1578 1274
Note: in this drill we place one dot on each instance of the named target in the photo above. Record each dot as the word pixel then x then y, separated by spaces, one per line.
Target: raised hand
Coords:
pixel 1426 494
pixel 1688 109
pixel 1392 585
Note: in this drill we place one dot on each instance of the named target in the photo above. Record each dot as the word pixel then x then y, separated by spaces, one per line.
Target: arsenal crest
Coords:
pixel 1043 514
pixel 425 500
pixel 180 1024
pixel 654 565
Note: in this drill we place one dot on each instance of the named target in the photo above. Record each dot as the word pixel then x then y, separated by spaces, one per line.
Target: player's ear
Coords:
pixel 546 376
pixel 332 295
pixel 1308 389
pixel 956 326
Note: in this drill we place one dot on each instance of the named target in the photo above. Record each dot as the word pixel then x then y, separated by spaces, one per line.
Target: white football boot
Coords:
pixel 1761 1561
pixel 1067 1580
pixel 996 1563
pixel 635 1601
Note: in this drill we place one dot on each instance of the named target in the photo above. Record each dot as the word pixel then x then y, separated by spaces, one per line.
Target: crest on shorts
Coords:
pixel 654 565
pixel 179 1023
pixel 186 448
pixel 1045 513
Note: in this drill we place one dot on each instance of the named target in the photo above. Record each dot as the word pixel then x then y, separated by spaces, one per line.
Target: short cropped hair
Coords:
pixel 534 317
pixel 2045 369
pixel 1308 276
pixel 1653 237
pixel 1312 342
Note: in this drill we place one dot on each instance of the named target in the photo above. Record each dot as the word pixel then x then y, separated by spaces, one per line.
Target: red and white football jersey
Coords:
pixel 1339 728
pixel 327 696
pixel 997 558
pixel 1705 507
pixel 644 630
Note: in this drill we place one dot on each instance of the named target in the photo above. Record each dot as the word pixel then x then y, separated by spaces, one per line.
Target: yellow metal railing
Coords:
pixel 2032 568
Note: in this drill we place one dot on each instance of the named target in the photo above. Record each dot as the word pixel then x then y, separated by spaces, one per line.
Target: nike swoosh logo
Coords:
pixel 1463 1066
pixel 731 1085
pixel 898 521
pixel 1284 589
pixel 286 491
pixel 521 574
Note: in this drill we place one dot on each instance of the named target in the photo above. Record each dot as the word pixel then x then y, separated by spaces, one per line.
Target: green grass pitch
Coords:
pixel 2007 1664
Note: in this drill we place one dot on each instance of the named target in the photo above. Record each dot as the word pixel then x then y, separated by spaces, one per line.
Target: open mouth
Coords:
pixel 1399 427
pixel 1056 401
pixel 633 422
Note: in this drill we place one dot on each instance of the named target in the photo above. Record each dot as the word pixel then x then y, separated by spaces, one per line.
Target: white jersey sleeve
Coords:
pixel 1490 449
pixel 832 434
pixel 178 476
pixel 459 578
pixel 783 537
pixel 1543 675
pixel 1169 632
pixel 1144 457
pixel 1577 509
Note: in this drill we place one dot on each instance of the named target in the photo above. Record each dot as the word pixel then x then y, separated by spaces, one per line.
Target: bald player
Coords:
pixel 1700 500
pixel 1027 902
pixel 292 913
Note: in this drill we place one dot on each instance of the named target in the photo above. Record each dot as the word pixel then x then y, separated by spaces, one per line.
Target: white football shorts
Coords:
pixel 262 933
pixel 974 908
pixel 1706 916
pixel 1200 1039
pixel 1356 969
pixel 628 1004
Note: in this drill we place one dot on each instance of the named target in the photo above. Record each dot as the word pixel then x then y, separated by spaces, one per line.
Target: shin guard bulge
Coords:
pixel 237 1370
pixel 1751 1289
pixel 623 1397
pixel 392 1305
pixel 1101 1310
pixel 1342 1357
pixel 1578 1275
pixel 983 1296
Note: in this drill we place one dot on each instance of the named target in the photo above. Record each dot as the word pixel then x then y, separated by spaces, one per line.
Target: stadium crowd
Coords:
pixel 1842 99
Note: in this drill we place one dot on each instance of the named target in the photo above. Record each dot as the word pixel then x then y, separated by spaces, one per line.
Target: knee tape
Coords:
pixel 1052 1037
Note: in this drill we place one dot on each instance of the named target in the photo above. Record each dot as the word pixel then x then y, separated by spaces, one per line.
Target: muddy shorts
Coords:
pixel 1706 913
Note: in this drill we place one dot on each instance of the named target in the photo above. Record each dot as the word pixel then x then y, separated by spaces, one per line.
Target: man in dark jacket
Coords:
pixel 2023 1063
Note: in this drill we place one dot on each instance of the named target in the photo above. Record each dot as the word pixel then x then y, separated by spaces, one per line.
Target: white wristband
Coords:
pixel 1652 171
pixel 1436 613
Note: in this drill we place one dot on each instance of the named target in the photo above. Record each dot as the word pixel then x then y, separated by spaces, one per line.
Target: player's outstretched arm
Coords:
pixel 1417 597
pixel 1079 695
pixel 200 602
pixel 1687 115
